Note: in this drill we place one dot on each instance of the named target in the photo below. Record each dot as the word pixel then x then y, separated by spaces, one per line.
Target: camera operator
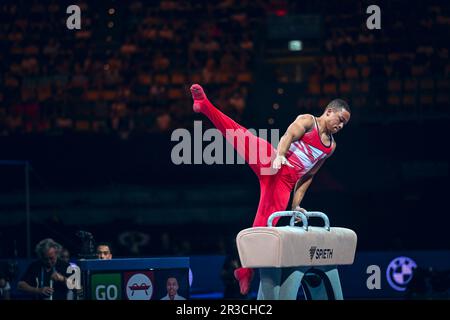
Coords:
pixel 87 250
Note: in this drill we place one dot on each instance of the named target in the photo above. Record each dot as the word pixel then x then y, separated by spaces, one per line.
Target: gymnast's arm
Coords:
pixel 301 186
pixel 304 182
pixel 294 132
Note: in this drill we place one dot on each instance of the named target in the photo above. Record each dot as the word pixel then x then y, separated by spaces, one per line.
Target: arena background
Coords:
pixel 89 114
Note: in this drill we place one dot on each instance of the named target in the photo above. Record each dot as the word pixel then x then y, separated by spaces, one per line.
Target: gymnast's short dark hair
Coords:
pixel 338 104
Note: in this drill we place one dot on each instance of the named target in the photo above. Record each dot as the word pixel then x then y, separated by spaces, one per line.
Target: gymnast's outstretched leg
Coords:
pixel 257 152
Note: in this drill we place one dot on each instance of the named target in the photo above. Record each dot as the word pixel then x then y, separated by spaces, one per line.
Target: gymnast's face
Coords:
pixel 336 119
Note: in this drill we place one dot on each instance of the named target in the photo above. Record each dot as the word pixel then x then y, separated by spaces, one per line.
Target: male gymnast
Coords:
pixel 302 150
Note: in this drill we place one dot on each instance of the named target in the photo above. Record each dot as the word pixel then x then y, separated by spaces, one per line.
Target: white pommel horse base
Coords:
pixel 288 256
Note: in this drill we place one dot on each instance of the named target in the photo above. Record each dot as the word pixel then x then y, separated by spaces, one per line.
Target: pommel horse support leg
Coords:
pixel 290 255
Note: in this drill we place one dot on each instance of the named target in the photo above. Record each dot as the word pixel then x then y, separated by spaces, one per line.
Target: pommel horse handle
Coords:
pixel 292 214
pixel 303 216
pixel 316 214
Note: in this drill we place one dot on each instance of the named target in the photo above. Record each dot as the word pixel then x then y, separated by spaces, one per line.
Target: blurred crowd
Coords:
pixel 130 66
pixel 401 68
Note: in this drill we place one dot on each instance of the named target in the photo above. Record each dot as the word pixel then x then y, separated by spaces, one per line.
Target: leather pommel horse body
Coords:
pixel 290 256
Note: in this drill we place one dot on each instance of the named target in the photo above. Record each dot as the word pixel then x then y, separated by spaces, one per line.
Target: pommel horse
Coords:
pixel 290 256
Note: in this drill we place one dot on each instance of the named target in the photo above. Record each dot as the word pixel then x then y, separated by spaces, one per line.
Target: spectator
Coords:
pixel 104 251
pixel 46 277
pixel 5 287
pixel 64 255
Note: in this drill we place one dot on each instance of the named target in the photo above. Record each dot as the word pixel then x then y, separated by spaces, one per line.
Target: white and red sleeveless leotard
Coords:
pixel 304 153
